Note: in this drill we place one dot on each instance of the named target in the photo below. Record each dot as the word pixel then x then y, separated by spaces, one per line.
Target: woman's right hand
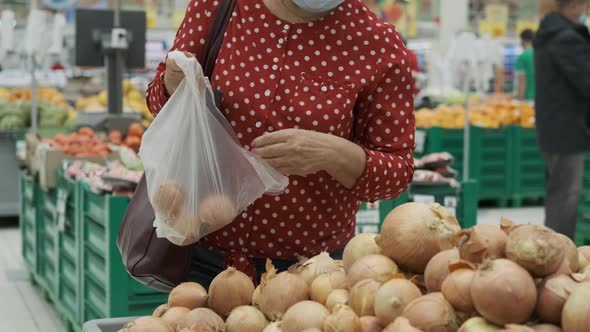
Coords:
pixel 174 75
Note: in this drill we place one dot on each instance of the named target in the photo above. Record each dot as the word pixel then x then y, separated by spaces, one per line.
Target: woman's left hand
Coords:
pixel 303 152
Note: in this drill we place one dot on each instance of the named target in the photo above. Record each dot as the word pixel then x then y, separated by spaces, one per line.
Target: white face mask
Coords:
pixel 317 6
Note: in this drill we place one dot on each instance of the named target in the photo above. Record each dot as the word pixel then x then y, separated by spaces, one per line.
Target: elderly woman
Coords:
pixel 323 91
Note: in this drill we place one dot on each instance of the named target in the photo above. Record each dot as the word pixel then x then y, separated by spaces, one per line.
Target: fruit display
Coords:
pixel 133 100
pixel 495 112
pixel 421 273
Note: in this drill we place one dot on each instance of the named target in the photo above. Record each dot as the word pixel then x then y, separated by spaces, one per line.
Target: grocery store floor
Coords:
pixel 22 308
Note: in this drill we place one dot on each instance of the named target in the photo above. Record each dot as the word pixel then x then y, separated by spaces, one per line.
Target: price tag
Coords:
pixel 420 138
pixel 62 199
pixel 425 199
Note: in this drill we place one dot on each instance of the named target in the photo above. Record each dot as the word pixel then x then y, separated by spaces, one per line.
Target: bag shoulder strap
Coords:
pixel 216 34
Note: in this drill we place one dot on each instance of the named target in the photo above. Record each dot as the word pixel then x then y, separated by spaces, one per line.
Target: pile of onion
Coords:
pixel 342 319
pixel 553 292
pixel 337 296
pixel 229 290
pixel 438 269
pixel 361 245
pixel 457 287
pixel 148 323
pixel 413 233
pixel 546 328
pixel 376 267
pixel 188 295
pixel 478 324
pixel 174 315
pixel 431 312
pixel 278 292
pixel 575 316
pixel 482 242
pixel 503 292
pixel 273 327
pixel 401 324
pixel 536 248
pixel 202 318
pixel 370 324
pixel 325 283
pixel 584 257
pixel 245 318
pixel 392 298
pixel 310 269
pixel 570 262
pixel 362 297
pixel 304 315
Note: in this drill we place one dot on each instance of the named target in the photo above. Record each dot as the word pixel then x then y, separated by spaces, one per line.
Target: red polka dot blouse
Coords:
pixel 347 74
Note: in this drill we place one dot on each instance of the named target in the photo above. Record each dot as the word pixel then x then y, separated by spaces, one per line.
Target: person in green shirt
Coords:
pixel 525 67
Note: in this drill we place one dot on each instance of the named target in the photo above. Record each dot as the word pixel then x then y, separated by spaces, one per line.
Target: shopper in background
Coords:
pixel 525 67
pixel 562 58
pixel 321 90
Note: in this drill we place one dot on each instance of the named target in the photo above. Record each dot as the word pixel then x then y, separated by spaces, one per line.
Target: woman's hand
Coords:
pixel 174 74
pixel 303 152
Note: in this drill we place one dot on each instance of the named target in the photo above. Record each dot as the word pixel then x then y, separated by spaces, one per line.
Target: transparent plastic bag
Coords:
pixel 199 177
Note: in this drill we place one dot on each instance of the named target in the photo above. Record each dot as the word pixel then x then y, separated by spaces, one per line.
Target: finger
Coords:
pixel 266 139
pixel 272 151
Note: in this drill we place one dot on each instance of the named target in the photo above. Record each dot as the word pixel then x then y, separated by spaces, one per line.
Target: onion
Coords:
pixel 482 242
pixel 413 233
pixel 304 315
pixel 308 270
pixel 278 292
pixel 546 328
pixel 203 318
pixel 506 225
pixel 570 263
pixel 160 310
pixel 438 268
pixel 536 248
pixel 478 324
pixel 503 292
pixel 431 313
pixel 245 318
pixel 401 324
pixel 552 294
pixel 337 296
pixel 273 327
pixel 377 267
pixel 457 288
pixel 216 211
pixel 149 323
pixel 370 324
pixel 174 315
pixel 392 297
pixel 256 296
pixel 326 283
pixel 169 199
pixel 361 245
pixel 575 316
pixel 342 319
pixel 312 330
pixel 230 289
pixel 362 297
pixel 517 328
pixel 582 276
pixel 584 257
pixel 189 295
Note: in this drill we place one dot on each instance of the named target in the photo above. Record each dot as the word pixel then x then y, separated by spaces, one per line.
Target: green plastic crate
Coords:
pixel 69 242
pixel 107 290
pixel 582 234
pixel 28 221
pixel 47 242
pixel 529 166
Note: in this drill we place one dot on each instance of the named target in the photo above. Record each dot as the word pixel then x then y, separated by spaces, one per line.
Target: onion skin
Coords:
pixel 392 298
pixel 362 297
pixel 413 233
pixel 583 257
pixel 457 289
pixel 326 283
pixel 304 315
pixel 342 319
pixel 150 323
pixel 278 292
pixel 552 294
pixel 431 313
pixel 570 263
pixel 370 324
pixel 312 268
pixel 246 318
pixel 229 290
pixel 438 269
pixel 503 292
pixel 482 242
pixel 478 324
pixel 174 315
pixel 536 248
pixel 361 245
pixel 273 327
pixel 189 295
pixel 337 296
pixel 546 328
pixel 377 267
pixel 401 324
pixel 160 310
pixel 202 317
pixel 575 316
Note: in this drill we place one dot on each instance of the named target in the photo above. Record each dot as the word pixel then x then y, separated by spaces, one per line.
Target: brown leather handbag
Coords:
pixel 153 261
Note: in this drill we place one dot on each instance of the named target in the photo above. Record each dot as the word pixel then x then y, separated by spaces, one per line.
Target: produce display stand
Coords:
pixel 28 221
pixel 529 166
pixel 583 226
pixel 47 245
pixel 9 203
pixel 461 201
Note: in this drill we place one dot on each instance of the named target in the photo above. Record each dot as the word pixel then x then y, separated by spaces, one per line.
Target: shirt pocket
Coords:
pixel 322 105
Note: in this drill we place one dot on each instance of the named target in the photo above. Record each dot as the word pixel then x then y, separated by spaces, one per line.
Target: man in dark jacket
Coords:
pixel 562 61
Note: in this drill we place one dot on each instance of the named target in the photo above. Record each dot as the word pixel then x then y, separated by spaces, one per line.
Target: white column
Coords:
pixel 454 17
